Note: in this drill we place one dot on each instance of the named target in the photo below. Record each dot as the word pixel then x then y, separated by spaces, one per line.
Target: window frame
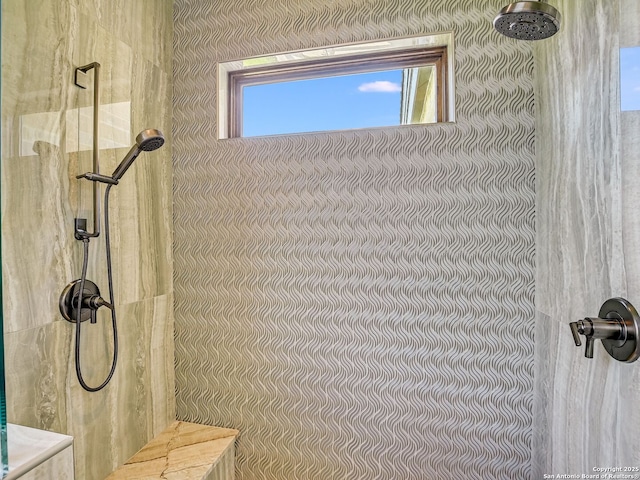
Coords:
pixel 411 52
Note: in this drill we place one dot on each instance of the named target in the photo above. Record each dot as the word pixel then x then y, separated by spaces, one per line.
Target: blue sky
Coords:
pixel 362 100
pixel 630 78
pixel 344 102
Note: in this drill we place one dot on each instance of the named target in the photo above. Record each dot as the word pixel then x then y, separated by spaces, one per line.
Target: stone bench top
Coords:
pixel 184 451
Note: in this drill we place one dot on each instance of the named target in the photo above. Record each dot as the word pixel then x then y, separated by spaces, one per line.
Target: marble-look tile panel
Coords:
pixel 145 194
pixel 145 25
pixel 630 161
pixel 162 408
pixel 545 330
pixel 93 417
pixel 96 44
pixel 135 405
pixel 225 469
pixel 42 43
pixel 147 345
pixel 155 17
pixel 629 394
pixel 36 369
pixel 184 451
pixel 39 252
pixel 35 54
pixel 629 23
pixel 58 467
pixel 582 243
pixel 576 135
pixel 115 16
pixel 37 257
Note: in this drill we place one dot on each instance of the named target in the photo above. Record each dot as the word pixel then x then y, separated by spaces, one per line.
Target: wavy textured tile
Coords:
pixel 357 304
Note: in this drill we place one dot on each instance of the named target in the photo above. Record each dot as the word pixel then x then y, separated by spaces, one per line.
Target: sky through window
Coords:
pixel 329 103
pixel 630 78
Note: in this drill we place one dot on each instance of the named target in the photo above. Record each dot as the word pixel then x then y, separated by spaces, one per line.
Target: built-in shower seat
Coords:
pixel 184 451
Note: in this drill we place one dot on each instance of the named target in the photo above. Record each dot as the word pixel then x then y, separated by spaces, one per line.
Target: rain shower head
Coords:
pixel 147 140
pixel 528 20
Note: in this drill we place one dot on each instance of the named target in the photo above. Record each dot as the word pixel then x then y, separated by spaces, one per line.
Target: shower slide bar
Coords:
pixel 81 81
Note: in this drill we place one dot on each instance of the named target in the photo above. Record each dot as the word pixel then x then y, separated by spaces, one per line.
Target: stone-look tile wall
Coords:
pixel 587 240
pixel 42 42
pixel 58 467
pixel 358 304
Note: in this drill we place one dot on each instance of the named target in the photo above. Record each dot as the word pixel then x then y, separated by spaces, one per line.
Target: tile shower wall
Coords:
pixel 42 42
pixel 358 304
pixel 587 238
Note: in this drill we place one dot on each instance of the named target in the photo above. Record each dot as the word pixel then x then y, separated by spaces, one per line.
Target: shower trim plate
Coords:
pixel 69 301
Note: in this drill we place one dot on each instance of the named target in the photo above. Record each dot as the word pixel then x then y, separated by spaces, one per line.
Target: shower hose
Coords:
pixel 83 279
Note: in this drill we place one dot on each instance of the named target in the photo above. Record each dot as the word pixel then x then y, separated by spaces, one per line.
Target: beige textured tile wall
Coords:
pixel 587 237
pixel 358 304
pixel 42 42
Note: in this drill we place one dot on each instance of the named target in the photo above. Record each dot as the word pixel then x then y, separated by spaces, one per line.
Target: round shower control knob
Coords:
pixel 70 300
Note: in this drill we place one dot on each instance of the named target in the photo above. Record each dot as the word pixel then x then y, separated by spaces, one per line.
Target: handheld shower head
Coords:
pixel 530 20
pixel 147 140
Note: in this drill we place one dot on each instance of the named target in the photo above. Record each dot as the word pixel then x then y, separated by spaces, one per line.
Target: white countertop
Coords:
pixel 29 447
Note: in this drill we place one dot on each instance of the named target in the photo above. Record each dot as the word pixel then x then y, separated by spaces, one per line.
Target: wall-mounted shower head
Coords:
pixel 528 20
pixel 147 140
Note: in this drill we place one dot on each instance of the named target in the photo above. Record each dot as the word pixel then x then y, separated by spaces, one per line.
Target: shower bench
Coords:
pixel 184 451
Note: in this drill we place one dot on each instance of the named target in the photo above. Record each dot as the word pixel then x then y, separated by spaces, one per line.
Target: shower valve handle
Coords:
pixel 85 305
pixel 94 302
pixel 577 328
pixel 617 325
pixel 592 328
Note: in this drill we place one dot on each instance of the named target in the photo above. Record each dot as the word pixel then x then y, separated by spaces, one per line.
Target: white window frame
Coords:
pixel 350 58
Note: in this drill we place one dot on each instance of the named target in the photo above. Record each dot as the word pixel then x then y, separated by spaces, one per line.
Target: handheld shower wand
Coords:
pixel 81 299
pixel 147 141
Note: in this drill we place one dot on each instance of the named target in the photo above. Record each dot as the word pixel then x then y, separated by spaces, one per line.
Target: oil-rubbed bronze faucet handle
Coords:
pixel 588 350
pixel 574 332
pixel 586 327
pixel 617 325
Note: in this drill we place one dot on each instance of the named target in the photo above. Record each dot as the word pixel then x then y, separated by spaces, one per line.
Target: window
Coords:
pixel 630 78
pixel 396 82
